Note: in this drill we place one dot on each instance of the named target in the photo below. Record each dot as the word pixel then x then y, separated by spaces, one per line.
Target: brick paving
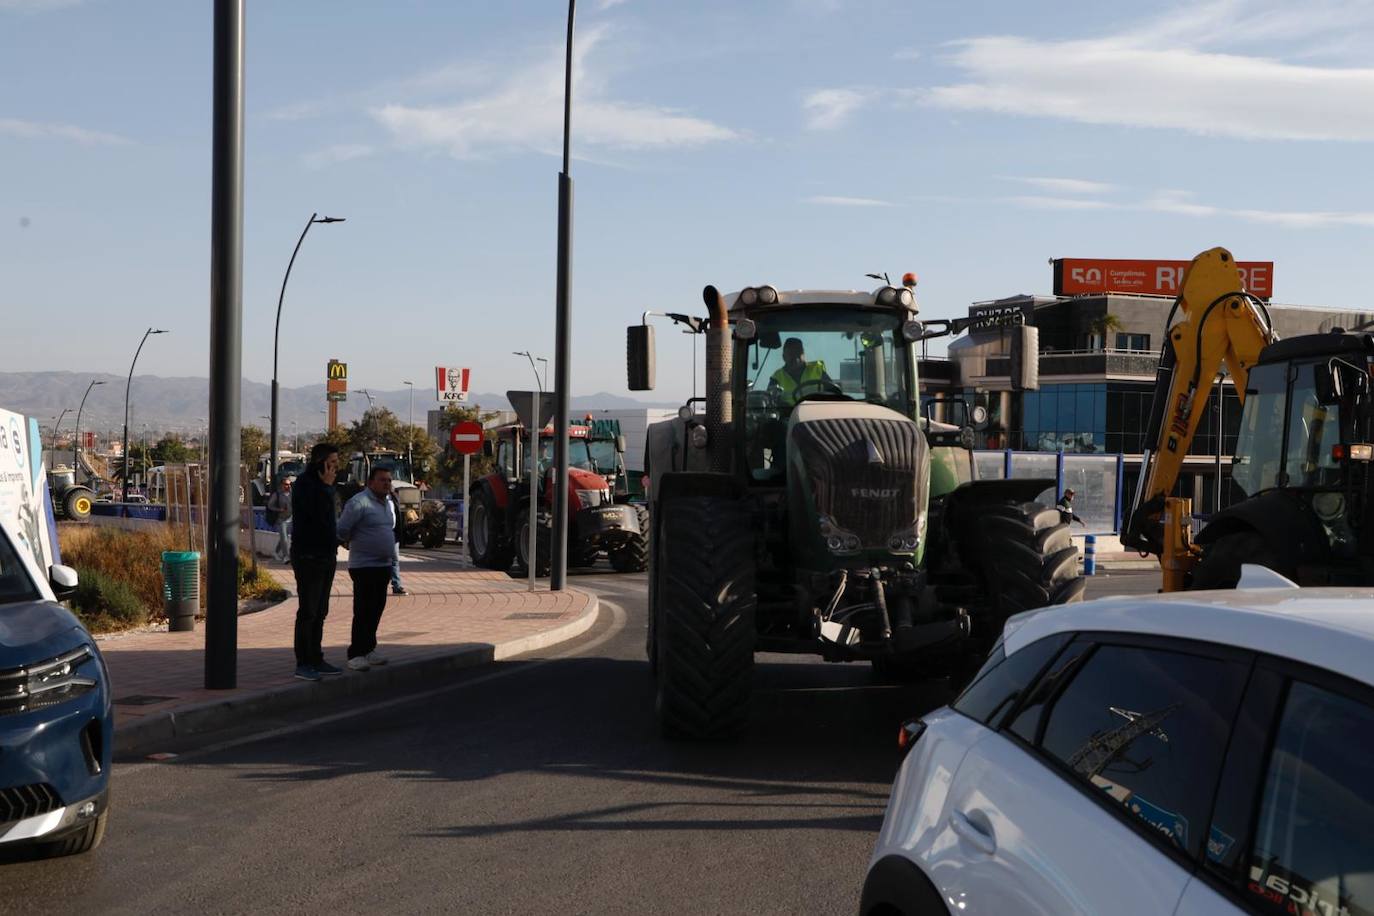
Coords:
pixel 450 610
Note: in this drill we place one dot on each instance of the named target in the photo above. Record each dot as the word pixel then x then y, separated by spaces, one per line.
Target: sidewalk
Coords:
pixel 453 618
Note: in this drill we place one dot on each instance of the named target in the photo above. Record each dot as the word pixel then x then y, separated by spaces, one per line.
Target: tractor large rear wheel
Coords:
pixel 703 582
pixel 486 545
pixel 76 504
pixel 633 555
pixel 1222 559
pixel 1025 557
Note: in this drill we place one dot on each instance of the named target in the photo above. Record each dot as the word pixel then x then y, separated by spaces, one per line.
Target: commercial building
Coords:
pixel 1098 354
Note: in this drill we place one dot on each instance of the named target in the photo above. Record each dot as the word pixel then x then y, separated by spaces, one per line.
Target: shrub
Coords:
pixel 261 586
pixel 104 603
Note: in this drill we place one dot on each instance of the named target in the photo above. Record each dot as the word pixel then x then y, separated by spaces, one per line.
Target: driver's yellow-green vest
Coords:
pixel 812 372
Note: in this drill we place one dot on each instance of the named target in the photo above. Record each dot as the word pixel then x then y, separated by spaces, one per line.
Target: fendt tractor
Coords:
pixel 812 509
pixel 70 500
pixel 1302 465
pixel 498 526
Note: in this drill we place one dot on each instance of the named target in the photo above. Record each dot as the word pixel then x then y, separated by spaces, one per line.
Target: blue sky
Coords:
pixel 801 143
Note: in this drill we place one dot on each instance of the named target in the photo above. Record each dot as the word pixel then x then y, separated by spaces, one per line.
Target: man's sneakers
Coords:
pixel 375 658
pixel 316 671
pixel 306 673
pixel 399 590
pixel 327 670
pixel 358 663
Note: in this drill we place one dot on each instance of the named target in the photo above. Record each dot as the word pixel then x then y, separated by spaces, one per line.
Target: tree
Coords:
pixel 1104 325
pixel 170 450
pixel 252 444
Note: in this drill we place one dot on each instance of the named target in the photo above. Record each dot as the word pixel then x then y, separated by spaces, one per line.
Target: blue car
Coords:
pixel 56 721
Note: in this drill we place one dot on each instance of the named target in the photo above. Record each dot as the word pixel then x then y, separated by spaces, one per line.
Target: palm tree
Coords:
pixel 1104 325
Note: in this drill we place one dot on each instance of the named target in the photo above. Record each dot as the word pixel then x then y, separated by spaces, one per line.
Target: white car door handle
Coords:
pixel 976 836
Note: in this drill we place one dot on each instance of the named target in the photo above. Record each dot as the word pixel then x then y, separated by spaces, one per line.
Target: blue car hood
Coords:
pixel 33 631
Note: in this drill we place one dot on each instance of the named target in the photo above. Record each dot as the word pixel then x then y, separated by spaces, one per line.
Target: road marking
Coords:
pixel 618 621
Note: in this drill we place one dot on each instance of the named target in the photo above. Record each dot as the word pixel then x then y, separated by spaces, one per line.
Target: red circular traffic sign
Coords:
pixel 466 437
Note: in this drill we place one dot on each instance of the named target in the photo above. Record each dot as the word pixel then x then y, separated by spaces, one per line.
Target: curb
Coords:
pixel 137 738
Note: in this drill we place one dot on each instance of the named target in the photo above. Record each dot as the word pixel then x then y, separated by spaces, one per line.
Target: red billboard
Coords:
pixel 1080 276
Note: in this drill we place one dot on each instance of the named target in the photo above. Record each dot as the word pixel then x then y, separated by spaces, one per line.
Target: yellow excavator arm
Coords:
pixel 1220 325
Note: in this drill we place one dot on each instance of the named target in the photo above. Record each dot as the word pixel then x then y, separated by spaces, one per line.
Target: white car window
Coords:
pixel 1148 729
pixel 1314 839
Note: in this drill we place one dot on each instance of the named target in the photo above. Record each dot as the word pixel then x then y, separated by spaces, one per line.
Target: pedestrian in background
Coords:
pixel 396 587
pixel 368 527
pixel 280 506
pixel 314 558
pixel 1065 507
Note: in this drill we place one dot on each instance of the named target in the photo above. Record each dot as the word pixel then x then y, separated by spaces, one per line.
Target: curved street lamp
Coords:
pixel 276 332
pixel 53 451
pixel 76 440
pixel 124 491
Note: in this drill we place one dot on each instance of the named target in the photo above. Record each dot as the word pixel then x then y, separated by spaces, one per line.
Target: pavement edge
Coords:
pixel 145 735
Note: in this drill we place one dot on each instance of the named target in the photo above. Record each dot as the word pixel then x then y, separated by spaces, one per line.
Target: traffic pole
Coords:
pixel 226 347
pixel 467 490
pixel 533 514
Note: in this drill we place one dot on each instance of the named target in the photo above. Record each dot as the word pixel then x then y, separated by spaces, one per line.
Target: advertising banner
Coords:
pixel 24 490
pixel 1083 276
pixel 450 384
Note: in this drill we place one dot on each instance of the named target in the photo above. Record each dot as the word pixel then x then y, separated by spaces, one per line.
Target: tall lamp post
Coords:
pixel 53 451
pixel 370 405
pixel 276 333
pixel 562 372
pixel 533 514
pixel 410 429
pixel 124 490
pixel 76 439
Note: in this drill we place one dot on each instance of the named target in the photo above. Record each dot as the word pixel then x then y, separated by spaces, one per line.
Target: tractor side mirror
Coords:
pixel 639 356
pixel 1337 380
pixel 1025 358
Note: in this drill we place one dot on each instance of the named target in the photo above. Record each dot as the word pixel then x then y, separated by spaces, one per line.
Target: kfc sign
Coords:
pixel 1079 276
pixel 450 384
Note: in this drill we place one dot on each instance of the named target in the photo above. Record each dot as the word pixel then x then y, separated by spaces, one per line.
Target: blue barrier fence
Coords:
pixel 1095 479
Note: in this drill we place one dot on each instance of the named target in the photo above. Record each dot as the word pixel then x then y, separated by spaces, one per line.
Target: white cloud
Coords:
pixel 1181 203
pixel 830 201
pixel 526 112
pixel 1063 185
pixel 339 152
pixel 828 109
pixel 1167 73
pixel 34 130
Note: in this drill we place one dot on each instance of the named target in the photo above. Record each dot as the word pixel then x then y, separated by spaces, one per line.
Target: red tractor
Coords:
pixel 498 523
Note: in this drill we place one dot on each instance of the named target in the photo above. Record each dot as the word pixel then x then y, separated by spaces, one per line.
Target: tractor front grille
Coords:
pixel 866 474
pixel 27 801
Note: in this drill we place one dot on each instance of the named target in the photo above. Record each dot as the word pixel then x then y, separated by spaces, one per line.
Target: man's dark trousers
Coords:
pixel 314 579
pixel 369 600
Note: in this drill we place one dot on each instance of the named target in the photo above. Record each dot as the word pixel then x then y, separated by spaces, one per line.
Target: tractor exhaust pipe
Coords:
pixel 719 408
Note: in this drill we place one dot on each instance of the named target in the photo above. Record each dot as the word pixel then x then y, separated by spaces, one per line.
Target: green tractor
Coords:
pixel 813 509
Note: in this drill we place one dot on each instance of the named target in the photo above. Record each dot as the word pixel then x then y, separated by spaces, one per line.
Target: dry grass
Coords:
pixel 134 559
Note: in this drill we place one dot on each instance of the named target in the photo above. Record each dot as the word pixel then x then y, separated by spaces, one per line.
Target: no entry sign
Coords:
pixel 466 437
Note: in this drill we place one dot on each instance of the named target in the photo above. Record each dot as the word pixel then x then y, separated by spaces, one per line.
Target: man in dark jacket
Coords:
pixel 314 552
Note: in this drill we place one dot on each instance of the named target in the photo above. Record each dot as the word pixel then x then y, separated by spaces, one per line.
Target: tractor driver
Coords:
pixel 796 372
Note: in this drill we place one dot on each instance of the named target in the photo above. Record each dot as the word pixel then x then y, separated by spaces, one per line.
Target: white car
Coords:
pixel 1196 753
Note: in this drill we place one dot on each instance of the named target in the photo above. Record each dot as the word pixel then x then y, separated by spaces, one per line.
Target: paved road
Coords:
pixel 536 785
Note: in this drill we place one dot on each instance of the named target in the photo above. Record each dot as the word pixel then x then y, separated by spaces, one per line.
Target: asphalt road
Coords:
pixel 534 785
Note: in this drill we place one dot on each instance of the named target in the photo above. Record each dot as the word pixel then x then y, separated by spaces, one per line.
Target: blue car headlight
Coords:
pixel 48 683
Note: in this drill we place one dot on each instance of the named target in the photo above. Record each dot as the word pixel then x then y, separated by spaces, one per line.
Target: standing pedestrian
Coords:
pixel 314 558
pixel 279 504
pixel 1065 507
pixel 368 527
pixel 396 587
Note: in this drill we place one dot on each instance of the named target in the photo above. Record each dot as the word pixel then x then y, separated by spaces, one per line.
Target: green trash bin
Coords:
pixel 181 588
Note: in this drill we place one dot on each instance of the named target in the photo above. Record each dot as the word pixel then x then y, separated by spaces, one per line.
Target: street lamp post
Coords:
pixel 410 429
pixel 124 491
pixel 76 440
pixel 562 373
pixel 371 404
pixel 53 451
pixel 276 333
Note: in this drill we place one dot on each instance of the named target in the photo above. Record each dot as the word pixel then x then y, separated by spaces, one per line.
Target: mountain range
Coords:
pixel 182 404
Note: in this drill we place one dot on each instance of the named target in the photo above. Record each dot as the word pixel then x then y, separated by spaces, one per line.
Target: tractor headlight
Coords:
pixel 887 295
pixel 837 539
pixel 767 295
pixel 906 298
pixel 593 498
pixel 698 437
pixel 749 296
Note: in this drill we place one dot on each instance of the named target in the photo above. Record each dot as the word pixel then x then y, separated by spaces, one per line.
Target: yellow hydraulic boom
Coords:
pixel 1221 325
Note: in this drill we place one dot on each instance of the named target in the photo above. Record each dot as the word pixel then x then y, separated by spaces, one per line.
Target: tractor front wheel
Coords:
pixel 486 545
pixel 703 582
